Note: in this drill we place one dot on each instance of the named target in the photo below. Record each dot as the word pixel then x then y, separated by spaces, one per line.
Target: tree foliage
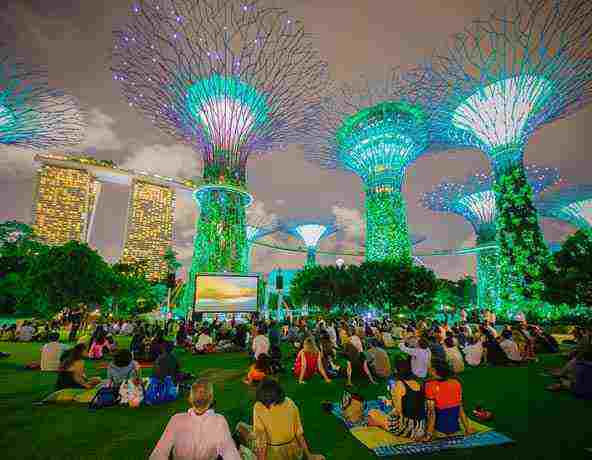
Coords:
pixel 462 292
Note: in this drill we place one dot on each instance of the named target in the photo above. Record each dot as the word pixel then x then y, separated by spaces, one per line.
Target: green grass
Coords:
pixel 545 425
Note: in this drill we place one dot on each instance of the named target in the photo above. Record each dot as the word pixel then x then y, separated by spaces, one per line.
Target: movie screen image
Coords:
pixel 225 293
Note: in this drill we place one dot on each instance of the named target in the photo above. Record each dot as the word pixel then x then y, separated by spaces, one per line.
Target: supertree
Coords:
pixel 571 204
pixel 310 232
pixel 373 129
pixel 475 200
pixel 32 115
pixel 497 83
pixel 229 78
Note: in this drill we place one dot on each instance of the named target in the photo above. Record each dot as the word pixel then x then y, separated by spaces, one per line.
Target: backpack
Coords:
pixel 131 394
pixel 105 397
pixel 160 391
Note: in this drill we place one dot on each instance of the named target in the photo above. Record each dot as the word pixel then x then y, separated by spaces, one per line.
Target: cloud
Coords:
pixel 168 160
pixel 186 213
pixel 16 162
pixel 100 133
pixel 258 216
pixel 351 222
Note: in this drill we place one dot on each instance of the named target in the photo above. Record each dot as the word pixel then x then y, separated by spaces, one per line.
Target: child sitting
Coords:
pixel 259 370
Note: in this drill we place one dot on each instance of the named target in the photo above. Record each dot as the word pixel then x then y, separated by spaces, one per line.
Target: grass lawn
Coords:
pixel 545 425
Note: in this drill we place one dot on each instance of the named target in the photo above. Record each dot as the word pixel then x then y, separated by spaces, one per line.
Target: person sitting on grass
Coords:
pixel 259 370
pixel 473 351
pixel 309 362
pixel 51 353
pixel 166 365
pixel 510 348
pixel 494 354
pixel 328 356
pixel 204 344
pixel 122 368
pixel 97 347
pixel 277 432
pixel 444 403
pixel 378 360
pixel 420 357
pixel 260 343
pixel 357 366
pixel 453 356
pixel 578 379
pixel 71 371
pixel 355 339
pixel 199 433
pixel 26 332
pixel 408 415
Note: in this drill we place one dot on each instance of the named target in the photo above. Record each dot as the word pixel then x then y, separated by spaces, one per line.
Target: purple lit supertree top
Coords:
pixel 230 78
pixel 310 232
pixel 475 200
pixel 571 204
pixel 497 83
pixel 32 115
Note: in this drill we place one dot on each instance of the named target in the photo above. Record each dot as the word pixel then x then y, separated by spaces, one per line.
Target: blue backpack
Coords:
pixel 160 391
pixel 105 397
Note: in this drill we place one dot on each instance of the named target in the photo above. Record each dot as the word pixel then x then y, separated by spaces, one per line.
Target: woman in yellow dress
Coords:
pixel 277 432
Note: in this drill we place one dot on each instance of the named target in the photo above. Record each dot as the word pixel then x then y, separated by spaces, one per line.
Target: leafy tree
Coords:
pixel 462 292
pixel 170 257
pixel 569 279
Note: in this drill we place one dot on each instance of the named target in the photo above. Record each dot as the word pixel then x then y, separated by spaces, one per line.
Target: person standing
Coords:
pixel 75 318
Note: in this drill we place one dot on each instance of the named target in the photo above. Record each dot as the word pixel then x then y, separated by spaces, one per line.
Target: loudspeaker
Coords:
pixel 279 282
pixel 171 280
pixel 197 317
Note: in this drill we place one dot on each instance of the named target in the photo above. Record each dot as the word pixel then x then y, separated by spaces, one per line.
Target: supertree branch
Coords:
pixel 230 78
pixel 258 226
pixel 374 129
pixel 497 82
pixel 571 204
pixel 311 232
pixel 475 200
pixel 32 115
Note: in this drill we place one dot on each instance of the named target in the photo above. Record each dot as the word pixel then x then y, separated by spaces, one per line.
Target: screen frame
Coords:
pixel 229 275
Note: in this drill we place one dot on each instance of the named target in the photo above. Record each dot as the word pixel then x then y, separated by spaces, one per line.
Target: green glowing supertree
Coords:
pixel 499 81
pixel 474 199
pixel 375 130
pixel 571 204
pixel 231 79
pixel 310 232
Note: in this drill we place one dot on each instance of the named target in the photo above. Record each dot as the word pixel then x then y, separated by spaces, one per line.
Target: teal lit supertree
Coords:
pixel 33 115
pixel 231 79
pixel 572 204
pixel 311 232
pixel 474 199
pixel 497 83
pixel 374 130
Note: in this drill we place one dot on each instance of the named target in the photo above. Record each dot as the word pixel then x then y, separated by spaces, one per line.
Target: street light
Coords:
pixel 339 263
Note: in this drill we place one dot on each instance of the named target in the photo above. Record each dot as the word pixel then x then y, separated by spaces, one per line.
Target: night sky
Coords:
pixel 73 38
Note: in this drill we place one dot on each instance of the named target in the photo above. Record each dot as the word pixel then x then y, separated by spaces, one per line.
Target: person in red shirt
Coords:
pixel 309 362
pixel 444 402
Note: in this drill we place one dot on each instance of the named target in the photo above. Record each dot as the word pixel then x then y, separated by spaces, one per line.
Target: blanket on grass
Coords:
pixel 384 444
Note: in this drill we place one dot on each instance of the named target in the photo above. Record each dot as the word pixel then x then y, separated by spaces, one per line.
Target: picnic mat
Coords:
pixel 384 444
pixel 142 364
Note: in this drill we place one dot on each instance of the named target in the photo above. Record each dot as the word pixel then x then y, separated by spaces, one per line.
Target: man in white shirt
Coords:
pixel 473 352
pixel 421 357
pixel 203 341
pixel 51 353
pixel 332 334
pixel 26 332
pixel 260 344
pixel 510 347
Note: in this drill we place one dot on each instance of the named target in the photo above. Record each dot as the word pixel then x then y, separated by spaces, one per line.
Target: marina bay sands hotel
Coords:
pixel 68 189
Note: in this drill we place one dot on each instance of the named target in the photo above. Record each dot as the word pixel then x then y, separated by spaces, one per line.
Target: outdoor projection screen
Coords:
pixel 221 293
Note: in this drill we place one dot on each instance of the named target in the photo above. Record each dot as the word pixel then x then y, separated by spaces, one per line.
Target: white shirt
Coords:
pixel 356 342
pixel 203 341
pixel 455 359
pixel 332 334
pixel 474 354
pixel 26 333
pixel 260 345
pixel 511 349
pixel 196 437
pixel 420 359
pixel 50 356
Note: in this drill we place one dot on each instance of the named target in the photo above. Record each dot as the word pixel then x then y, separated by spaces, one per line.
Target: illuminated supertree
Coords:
pixel 229 78
pixel 310 232
pixel 571 204
pixel 474 199
pixel 499 81
pixel 32 115
pixel 375 130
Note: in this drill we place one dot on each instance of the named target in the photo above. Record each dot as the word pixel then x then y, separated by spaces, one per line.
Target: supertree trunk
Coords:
pixel 523 252
pixel 387 234
pixel 311 257
pixel 487 275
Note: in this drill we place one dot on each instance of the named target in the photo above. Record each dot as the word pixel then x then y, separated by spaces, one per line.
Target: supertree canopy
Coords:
pixel 310 232
pixel 375 130
pixel 475 200
pixel 229 78
pixel 571 204
pixel 32 115
pixel 498 82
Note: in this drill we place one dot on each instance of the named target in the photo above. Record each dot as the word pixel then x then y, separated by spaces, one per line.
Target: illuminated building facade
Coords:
pixel 149 229
pixel 64 204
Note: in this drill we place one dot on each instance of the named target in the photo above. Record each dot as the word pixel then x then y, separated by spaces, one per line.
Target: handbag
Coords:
pixel 105 397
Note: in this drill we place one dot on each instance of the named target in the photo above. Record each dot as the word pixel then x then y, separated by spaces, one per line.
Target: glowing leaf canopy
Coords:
pixel 311 234
pixel 227 109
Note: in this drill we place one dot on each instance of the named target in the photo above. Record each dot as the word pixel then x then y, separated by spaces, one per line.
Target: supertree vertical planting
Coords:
pixel 475 200
pixel 499 81
pixel 374 130
pixel 32 115
pixel 571 204
pixel 231 79
pixel 310 232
